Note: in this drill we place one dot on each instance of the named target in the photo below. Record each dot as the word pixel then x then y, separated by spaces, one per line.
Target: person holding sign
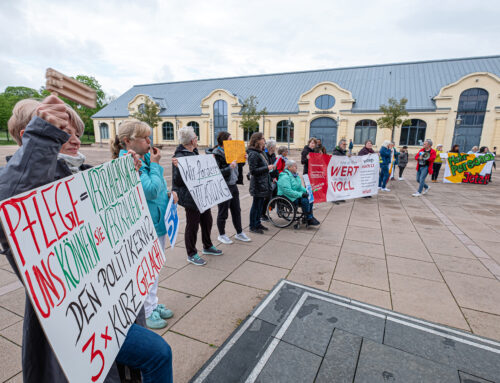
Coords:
pixel 188 146
pixel 55 130
pixel 135 135
pixel 230 174
pixel 425 160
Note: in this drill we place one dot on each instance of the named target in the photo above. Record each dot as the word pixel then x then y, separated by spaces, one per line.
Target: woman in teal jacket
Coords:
pixel 290 186
pixel 134 135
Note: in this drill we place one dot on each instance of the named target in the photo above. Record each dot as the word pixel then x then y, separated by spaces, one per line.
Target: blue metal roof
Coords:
pixel 371 86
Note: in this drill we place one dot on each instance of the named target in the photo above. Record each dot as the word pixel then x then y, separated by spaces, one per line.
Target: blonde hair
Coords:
pixel 130 129
pixel 75 120
pixel 22 114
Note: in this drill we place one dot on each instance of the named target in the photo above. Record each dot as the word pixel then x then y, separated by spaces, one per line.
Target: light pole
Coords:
pixel 211 134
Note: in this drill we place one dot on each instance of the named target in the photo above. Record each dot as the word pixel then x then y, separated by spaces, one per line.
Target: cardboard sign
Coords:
pixel 204 181
pixel 309 188
pixel 467 168
pixel 318 165
pixel 352 177
pixel 87 250
pixel 70 88
pixel 172 222
pixel 235 151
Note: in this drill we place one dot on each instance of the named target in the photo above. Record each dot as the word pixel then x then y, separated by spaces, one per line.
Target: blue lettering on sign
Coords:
pixel 172 222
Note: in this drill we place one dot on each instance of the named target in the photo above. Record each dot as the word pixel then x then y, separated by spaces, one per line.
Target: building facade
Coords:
pixel 454 101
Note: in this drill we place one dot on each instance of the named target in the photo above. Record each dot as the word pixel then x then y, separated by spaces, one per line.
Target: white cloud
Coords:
pixel 123 43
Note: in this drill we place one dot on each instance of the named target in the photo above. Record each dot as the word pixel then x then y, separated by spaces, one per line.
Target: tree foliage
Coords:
pixel 392 115
pixel 251 116
pixel 148 112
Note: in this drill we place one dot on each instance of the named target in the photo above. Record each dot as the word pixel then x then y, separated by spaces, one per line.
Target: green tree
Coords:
pixel 148 112
pixel 251 116
pixel 392 115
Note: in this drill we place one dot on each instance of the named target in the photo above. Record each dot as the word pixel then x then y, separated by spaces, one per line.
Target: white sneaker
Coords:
pixel 385 189
pixel 242 237
pixel 426 190
pixel 417 194
pixel 224 239
pixel 401 178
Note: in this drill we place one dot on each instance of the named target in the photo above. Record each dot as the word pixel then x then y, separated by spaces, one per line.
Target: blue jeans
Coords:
pixel 306 206
pixel 384 176
pixel 148 352
pixel 256 212
pixel 421 174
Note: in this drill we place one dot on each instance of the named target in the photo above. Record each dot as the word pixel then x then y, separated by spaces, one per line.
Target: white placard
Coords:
pixel 204 180
pixel 88 253
pixel 308 186
pixel 172 222
pixel 352 177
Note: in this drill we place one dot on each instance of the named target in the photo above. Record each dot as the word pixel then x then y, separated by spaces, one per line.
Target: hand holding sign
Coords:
pixel 54 111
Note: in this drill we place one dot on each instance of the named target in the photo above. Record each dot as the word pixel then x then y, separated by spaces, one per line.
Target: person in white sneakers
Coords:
pixel 230 174
pixel 425 159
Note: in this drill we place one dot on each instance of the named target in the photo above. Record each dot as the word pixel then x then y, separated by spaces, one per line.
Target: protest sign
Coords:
pixel 172 222
pixel 392 165
pixel 235 151
pixel 309 188
pixel 352 177
pixel 318 165
pixel 88 252
pixel 204 180
pixel 467 168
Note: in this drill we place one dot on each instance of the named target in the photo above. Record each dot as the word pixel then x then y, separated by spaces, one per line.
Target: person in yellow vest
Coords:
pixel 437 163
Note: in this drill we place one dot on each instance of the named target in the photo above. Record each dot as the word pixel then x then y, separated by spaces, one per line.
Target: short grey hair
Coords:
pixel 386 143
pixel 282 149
pixel 290 163
pixel 271 144
pixel 342 140
pixel 429 141
pixel 186 135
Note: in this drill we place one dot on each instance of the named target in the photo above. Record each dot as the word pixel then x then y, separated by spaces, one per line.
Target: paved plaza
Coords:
pixel 436 258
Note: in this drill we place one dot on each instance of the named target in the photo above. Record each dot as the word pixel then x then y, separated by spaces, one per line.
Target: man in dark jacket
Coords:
pixel 341 148
pixel 194 219
pixel 309 148
pixel 260 181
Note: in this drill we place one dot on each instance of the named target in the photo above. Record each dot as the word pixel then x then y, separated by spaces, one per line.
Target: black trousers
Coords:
pixel 401 170
pixel 234 205
pixel 193 220
pixel 435 171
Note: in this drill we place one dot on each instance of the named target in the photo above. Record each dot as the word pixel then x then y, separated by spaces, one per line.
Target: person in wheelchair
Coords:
pixel 290 186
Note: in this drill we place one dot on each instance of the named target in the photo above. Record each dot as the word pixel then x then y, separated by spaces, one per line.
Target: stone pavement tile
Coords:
pixel 311 329
pixel 312 272
pixel 445 351
pixel 413 268
pixel 292 236
pixel 276 311
pixel 278 253
pixel 7 277
pixel 425 299
pixel 333 236
pixel 10 359
pixel 362 293
pixel 176 257
pixel 339 364
pixel 364 234
pixel 492 266
pixel 179 303
pixel 322 251
pixel 14 333
pixel 461 265
pixel 364 222
pixel 231 258
pixel 363 248
pixel 472 292
pixel 483 324
pixel 444 242
pixel 196 280
pixel 380 363
pixel 222 310
pixel 258 240
pixel 188 355
pixel 257 275
pixel 467 378
pixel 166 272
pixel 16 379
pixel 361 270
pixel 398 224
pixel 14 301
pixel 236 365
pixel 289 364
pixel 406 245
pixel 491 248
pixel 8 318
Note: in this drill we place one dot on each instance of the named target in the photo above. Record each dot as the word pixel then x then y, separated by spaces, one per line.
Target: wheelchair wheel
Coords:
pixel 281 212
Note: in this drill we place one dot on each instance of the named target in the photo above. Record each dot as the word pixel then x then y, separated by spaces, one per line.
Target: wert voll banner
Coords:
pixel 467 168
pixel 87 250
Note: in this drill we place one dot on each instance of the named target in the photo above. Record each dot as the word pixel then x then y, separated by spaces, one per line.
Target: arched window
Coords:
pixel 196 127
pixel 167 131
pixel 220 117
pixel 365 130
pixel 324 128
pixel 413 134
pixel 141 108
pixel 104 130
pixel 325 101
pixel 282 131
pixel 470 113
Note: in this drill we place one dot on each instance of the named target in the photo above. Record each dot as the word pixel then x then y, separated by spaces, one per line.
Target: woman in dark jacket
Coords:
pixel 367 149
pixel 402 161
pixel 309 148
pixel 260 181
pixel 270 153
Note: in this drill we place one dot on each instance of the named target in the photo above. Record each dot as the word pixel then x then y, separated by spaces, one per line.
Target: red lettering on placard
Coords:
pixel 93 354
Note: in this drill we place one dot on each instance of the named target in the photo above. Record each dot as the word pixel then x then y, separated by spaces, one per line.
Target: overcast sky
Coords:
pixel 127 42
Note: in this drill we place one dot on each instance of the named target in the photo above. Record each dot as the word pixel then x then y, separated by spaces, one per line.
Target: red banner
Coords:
pixel 318 165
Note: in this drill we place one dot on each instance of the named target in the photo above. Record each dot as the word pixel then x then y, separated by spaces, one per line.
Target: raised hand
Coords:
pixel 54 111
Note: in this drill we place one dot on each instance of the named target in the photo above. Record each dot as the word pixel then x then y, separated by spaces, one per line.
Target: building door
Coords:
pixel 324 128
pixel 470 118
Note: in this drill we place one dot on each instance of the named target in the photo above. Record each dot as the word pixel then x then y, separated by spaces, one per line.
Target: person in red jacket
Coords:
pixel 425 159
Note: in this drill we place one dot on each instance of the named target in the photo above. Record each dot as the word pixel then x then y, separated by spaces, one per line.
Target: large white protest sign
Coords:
pixel 172 222
pixel 352 177
pixel 204 180
pixel 88 253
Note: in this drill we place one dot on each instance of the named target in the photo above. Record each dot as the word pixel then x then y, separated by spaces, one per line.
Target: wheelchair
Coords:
pixel 282 213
